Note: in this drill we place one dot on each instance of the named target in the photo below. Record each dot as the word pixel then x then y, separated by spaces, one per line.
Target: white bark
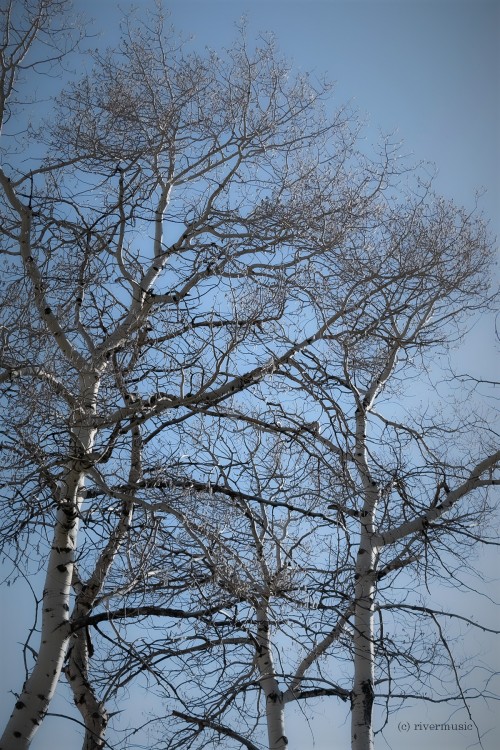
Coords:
pixel 266 245
pixel 475 480
pixel 39 688
pixel 275 706
pixel 363 691
pixel 91 708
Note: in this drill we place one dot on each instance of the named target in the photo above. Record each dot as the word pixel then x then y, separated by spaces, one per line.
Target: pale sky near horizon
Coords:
pixel 430 70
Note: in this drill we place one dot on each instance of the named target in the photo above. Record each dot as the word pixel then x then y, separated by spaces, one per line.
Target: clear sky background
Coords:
pixel 429 70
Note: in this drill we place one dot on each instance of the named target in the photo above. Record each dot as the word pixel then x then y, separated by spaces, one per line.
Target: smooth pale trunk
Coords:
pixel 39 688
pixel 363 692
pixel 92 710
pixel 275 707
pixel 275 716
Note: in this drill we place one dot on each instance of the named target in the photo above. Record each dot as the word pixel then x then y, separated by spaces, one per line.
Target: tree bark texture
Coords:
pixel 38 690
pixel 275 705
pixel 363 693
pixel 31 706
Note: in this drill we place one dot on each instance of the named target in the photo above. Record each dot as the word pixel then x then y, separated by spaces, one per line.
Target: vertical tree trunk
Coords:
pixel 275 706
pixel 363 693
pixel 39 688
pixel 92 709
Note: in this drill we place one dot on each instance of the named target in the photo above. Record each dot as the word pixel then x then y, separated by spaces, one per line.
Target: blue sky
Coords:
pixel 429 70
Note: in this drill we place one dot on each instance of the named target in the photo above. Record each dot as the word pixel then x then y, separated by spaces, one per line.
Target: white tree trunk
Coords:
pixel 362 693
pixel 366 560
pixel 275 705
pixel 39 688
pixel 91 708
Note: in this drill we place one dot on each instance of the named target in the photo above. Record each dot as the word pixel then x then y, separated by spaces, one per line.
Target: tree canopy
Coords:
pixel 214 310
